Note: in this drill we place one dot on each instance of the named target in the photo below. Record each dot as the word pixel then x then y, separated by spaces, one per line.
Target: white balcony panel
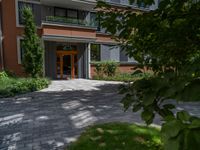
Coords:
pixel 75 4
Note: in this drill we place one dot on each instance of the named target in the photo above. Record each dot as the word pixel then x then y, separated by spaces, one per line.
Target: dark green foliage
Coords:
pixel 107 68
pixel 182 132
pixel 98 68
pixel 121 136
pixel 124 77
pixel 10 86
pixel 167 42
pixel 3 75
pixel 33 53
pixel 110 68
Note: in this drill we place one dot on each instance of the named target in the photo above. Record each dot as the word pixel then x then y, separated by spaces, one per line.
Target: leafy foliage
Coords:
pixel 124 77
pixel 110 68
pixel 33 53
pixel 165 41
pixel 3 75
pixel 107 68
pixel 182 132
pixel 98 68
pixel 12 86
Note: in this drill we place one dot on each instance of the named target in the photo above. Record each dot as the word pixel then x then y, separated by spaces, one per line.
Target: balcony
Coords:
pixel 127 3
pixel 70 22
pixel 81 4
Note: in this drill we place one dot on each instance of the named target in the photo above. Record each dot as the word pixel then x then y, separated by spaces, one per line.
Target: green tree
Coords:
pixel 166 41
pixel 33 53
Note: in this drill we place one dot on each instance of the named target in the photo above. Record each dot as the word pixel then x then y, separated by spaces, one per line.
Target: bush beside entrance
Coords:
pixel 11 86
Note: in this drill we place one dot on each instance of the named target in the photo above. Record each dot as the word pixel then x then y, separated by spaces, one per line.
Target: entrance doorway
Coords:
pixel 66 64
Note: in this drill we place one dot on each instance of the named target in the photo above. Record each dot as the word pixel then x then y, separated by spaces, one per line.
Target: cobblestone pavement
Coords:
pixel 54 117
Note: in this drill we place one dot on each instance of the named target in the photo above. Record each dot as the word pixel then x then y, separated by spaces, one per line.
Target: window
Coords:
pixel 69 13
pixel 36 9
pixel 82 14
pixel 72 14
pixel 95 52
pixel 60 12
pixel 20 50
pixel 123 56
pixel 115 1
pixel 93 20
pixel 21 6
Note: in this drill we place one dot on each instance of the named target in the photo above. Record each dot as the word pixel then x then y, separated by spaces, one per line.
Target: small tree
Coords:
pixel 33 53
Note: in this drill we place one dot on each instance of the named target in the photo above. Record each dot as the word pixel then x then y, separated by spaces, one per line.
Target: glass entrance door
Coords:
pixel 66 65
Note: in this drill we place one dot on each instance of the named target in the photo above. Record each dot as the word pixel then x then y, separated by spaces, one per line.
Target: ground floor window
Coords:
pixel 95 52
pixel 20 50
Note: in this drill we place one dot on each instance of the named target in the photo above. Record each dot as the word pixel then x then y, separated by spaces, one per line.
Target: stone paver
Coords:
pixel 54 117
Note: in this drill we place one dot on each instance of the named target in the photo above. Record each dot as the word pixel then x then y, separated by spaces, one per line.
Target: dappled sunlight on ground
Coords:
pixel 9 120
pixel 56 116
pixel 82 119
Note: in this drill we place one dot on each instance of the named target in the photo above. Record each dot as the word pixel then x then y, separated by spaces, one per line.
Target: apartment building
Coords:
pixel 71 36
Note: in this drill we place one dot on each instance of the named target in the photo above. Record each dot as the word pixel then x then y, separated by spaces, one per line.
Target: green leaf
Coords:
pixel 137 72
pixel 136 107
pixel 148 98
pixel 195 124
pixel 148 116
pixel 172 144
pixel 127 101
pixel 192 141
pixel 183 116
pixel 171 129
pixel 191 91
pixel 169 106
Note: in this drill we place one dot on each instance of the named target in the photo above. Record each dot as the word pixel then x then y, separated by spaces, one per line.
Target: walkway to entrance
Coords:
pixel 55 116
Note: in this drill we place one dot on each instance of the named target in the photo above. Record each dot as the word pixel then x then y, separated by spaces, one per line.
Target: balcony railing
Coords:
pixel 127 3
pixel 71 21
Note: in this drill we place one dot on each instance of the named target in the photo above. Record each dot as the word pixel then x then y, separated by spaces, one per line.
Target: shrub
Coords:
pixel 14 86
pixel 110 68
pixel 141 74
pixel 3 75
pixel 105 68
pixel 10 73
pixel 98 68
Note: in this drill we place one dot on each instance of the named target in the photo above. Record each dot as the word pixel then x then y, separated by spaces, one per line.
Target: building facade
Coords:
pixel 71 36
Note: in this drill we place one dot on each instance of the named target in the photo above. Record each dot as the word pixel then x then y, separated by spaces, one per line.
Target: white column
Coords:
pixel 89 60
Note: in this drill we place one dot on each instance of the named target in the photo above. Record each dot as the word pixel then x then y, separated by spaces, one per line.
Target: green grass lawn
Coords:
pixel 118 136
pixel 11 86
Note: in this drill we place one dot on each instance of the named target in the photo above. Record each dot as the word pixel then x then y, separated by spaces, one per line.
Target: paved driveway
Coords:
pixel 55 116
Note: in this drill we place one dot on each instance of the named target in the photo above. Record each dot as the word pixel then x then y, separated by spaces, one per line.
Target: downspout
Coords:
pixel 1 40
pixel 1 53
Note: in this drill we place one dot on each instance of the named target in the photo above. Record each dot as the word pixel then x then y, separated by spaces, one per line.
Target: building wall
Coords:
pixel 12 31
pixel 1 50
pixel 10 34
pixel 50 60
pixel 82 59
pixel 123 68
